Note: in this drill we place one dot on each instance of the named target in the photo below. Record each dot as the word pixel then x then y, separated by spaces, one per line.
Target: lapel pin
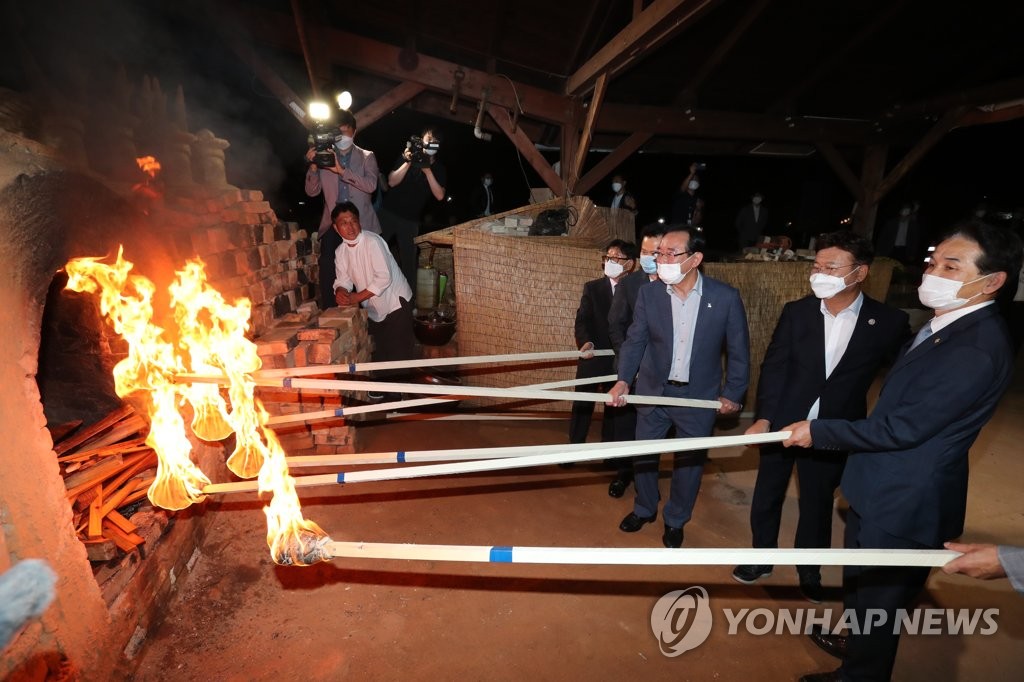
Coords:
pixel 871 321
pixel 937 339
pixel 709 304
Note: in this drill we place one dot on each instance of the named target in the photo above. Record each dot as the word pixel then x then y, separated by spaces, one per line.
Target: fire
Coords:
pixel 210 339
pixel 148 165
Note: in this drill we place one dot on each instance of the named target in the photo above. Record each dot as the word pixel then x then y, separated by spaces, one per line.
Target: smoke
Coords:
pixel 81 54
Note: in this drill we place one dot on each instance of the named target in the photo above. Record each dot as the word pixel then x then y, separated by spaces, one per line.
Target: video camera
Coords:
pixel 322 140
pixel 420 157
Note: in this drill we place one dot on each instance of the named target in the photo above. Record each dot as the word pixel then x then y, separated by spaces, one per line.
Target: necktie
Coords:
pixel 923 334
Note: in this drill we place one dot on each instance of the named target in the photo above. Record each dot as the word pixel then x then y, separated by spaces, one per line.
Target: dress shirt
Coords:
pixel 838 330
pixel 684 318
pixel 940 321
pixel 369 265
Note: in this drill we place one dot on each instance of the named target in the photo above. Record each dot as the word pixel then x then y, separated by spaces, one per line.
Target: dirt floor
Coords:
pixel 240 617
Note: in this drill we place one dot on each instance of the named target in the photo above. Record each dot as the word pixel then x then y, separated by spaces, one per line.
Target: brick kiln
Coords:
pixel 59 416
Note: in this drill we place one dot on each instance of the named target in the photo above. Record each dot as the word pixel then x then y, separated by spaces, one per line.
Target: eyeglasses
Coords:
pixel 672 256
pixel 615 259
pixel 829 269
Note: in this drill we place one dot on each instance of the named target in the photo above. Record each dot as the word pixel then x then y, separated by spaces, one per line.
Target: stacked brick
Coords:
pixel 336 336
pixel 249 252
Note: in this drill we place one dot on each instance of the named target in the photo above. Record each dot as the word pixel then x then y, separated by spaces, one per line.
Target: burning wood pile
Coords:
pixel 107 468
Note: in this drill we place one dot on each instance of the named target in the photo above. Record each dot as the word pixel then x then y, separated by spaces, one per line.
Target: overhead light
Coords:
pixel 345 100
pixel 319 111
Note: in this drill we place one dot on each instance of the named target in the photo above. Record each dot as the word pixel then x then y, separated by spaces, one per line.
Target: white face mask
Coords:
pixel 648 264
pixel 904 212
pixel 613 269
pixel 757 201
pixel 344 143
pixel 939 293
pixel 827 286
pixel 487 182
pixel 616 187
pixel 672 273
pixel 353 242
pixel 693 185
pixel 429 152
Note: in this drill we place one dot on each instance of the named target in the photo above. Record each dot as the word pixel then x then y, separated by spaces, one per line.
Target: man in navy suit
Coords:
pixel 619 318
pixel 906 476
pixel 592 334
pixel 674 348
pixel 824 354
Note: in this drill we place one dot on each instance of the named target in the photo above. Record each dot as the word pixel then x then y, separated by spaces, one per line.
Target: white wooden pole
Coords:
pixel 647 556
pixel 476 466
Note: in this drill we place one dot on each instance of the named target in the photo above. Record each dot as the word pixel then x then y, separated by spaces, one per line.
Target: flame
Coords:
pixel 210 339
pixel 148 165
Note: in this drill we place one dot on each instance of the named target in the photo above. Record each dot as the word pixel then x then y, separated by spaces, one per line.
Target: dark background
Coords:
pixel 802 195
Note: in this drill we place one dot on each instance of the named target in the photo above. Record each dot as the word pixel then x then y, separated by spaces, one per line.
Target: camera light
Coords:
pixel 319 111
pixel 345 100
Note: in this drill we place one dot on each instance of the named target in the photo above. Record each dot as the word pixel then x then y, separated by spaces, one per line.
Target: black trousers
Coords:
pixel 818 473
pixel 393 337
pixel 870 657
pixel 329 243
pixel 403 231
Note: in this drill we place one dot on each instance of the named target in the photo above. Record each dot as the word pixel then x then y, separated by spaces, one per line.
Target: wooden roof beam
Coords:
pixel 841 168
pixel 689 93
pixel 295 105
pixel 994 93
pixel 588 130
pixel 788 100
pixel 661 20
pixel 611 162
pixel 382 59
pixel 527 148
pixel 931 138
pixel 300 31
pixel 628 118
pixel 386 103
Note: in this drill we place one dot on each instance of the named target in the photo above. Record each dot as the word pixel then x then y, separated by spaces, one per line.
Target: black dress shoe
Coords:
pixel 673 537
pixel 632 523
pixel 833 645
pixel 812 591
pixel 833 676
pixel 749 574
pixel 617 488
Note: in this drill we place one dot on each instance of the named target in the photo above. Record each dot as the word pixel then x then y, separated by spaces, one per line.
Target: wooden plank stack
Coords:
pixel 105 467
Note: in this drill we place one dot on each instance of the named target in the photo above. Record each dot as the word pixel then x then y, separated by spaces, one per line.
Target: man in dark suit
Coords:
pixel 592 334
pixel 619 318
pixel 824 354
pixel 751 221
pixel 674 349
pixel 906 477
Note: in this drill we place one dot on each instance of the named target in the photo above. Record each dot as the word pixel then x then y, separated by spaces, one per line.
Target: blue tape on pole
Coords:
pixel 501 555
pixel 341 477
pixel 401 457
pixel 287 382
pixel 339 412
pixel 351 368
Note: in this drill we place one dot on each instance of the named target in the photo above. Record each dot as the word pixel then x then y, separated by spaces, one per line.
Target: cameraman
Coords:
pixel 353 177
pixel 416 177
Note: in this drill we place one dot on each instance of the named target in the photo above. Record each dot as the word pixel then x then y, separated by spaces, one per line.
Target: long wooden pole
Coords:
pixel 477 466
pixel 458 454
pixel 417 402
pixel 354 367
pixel 648 556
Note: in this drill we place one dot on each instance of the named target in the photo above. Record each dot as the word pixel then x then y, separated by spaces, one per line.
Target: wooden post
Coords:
pixel 872 172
